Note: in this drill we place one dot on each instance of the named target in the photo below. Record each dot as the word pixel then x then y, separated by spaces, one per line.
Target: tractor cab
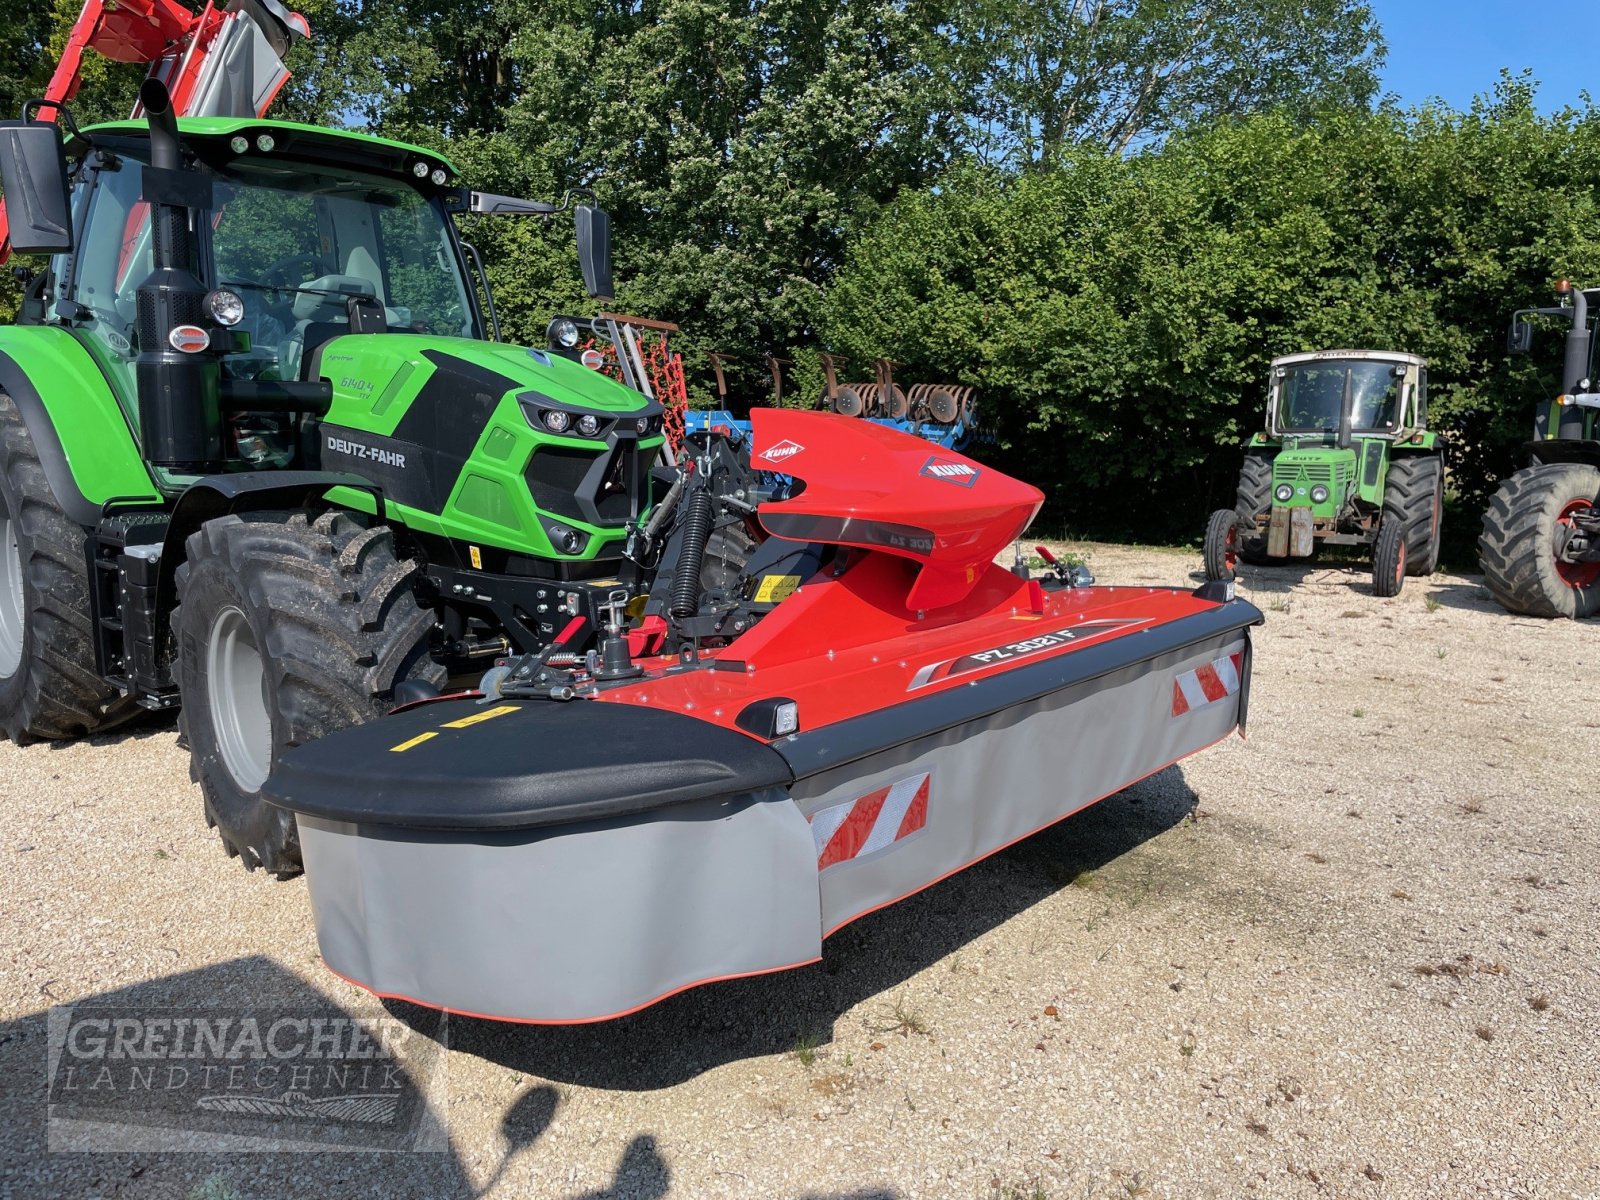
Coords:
pixel 1345 432
pixel 301 235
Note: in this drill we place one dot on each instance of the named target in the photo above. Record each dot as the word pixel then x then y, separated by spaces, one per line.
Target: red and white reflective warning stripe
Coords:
pixel 871 822
pixel 1206 684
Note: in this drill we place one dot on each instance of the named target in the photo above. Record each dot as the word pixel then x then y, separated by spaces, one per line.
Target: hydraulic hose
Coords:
pixel 696 533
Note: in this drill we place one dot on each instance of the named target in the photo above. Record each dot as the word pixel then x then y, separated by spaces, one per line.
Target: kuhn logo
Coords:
pixel 961 473
pixel 784 449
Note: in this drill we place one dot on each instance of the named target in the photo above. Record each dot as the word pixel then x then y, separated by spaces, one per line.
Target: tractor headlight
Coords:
pixel 593 359
pixel 556 421
pixel 588 424
pixel 642 425
pixel 1284 493
pixel 1319 494
pixel 226 308
pixel 562 334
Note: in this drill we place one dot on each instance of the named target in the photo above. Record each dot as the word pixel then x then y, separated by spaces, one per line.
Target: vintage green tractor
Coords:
pixel 260 456
pixel 1346 459
pixel 1540 546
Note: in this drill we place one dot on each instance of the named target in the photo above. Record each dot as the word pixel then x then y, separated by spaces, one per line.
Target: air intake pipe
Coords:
pixel 179 378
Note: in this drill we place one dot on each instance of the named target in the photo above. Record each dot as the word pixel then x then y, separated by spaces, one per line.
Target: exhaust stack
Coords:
pixel 180 419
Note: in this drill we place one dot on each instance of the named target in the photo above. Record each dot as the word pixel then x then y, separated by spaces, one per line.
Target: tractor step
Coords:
pixel 125 567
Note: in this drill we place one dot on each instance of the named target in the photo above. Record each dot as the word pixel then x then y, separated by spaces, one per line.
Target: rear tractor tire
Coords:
pixel 1389 557
pixel 1414 492
pixel 1222 544
pixel 49 687
pixel 1253 499
pixel 287 629
pixel 1524 532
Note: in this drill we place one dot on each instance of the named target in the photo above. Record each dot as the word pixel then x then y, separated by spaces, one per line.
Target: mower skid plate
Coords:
pixel 569 862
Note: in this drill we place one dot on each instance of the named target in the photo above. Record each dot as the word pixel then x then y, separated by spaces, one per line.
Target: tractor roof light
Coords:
pixel 419 169
pixel 239 144
pixel 439 176
pixel 593 359
pixel 266 143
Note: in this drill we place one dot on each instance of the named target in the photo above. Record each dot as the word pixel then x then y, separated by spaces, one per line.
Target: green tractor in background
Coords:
pixel 260 457
pixel 1346 459
pixel 1540 546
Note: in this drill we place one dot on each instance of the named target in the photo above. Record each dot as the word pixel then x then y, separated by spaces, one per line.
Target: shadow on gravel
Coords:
pixel 137 729
pixel 1469 597
pixel 718 1023
pixel 125 1110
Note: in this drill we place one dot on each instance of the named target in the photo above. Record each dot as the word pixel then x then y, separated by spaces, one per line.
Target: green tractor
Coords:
pixel 260 456
pixel 1346 459
pixel 1540 546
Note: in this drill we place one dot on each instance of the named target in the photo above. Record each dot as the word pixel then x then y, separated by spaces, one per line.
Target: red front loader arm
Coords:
pixel 210 60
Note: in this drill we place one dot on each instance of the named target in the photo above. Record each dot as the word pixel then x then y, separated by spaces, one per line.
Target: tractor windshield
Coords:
pixel 296 244
pixel 1313 395
pixel 299 245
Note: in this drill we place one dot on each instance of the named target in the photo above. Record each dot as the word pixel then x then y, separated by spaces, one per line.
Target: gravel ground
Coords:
pixel 1353 956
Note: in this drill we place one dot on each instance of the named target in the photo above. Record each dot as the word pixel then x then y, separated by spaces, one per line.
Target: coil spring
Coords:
pixel 696 533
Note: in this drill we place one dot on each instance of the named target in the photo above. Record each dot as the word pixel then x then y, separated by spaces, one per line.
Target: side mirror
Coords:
pixel 594 249
pixel 33 168
pixel 1519 340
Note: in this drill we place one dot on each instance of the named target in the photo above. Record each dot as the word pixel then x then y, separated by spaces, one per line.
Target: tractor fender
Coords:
pixel 88 451
pixel 213 496
pixel 1560 450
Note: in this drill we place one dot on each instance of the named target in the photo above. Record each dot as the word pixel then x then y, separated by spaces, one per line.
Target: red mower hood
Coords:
pixel 873 487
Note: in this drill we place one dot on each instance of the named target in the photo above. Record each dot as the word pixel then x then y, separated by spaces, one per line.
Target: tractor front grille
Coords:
pixel 585 485
pixel 1304 472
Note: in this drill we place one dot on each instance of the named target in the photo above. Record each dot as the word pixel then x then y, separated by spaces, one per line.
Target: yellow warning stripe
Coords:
pixel 487 715
pixel 416 741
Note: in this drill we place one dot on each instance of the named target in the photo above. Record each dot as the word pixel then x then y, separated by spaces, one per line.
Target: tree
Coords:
pixel 1118 313
pixel 1047 74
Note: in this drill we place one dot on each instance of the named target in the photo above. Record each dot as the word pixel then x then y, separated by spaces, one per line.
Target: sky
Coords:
pixel 1454 49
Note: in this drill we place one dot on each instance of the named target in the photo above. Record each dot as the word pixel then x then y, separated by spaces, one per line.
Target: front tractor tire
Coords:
pixel 49 687
pixel 1389 557
pixel 1524 533
pixel 1222 544
pixel 287 629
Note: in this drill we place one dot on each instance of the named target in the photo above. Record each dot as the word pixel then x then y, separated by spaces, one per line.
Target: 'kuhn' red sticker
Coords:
pixel 1207 684
pixel 962 474
pixel 783 450
pixel 1043 643
pixel 870 823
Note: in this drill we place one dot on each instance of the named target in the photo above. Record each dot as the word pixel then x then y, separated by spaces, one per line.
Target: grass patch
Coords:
pixel 903 1019
pixel 214 1187
pixel 805 1048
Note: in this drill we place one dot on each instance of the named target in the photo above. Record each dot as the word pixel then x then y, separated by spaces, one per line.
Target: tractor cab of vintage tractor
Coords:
pixel 1346 453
